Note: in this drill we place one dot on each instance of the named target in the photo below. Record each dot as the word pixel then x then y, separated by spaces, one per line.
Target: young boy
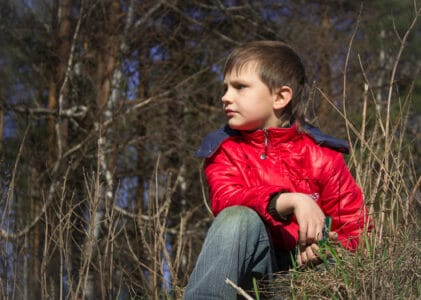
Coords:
pixel 272 178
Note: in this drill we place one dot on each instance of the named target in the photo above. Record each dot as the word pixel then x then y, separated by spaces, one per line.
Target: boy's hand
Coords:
pixel 309 255
pixel 310 217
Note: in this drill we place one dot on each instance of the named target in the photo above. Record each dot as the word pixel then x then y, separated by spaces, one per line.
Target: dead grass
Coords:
pixel 387 270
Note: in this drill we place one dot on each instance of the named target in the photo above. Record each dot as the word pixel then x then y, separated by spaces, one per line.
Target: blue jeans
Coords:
pixel 237 247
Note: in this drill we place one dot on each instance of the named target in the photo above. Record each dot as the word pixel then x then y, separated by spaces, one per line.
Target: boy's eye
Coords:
pixel 239 86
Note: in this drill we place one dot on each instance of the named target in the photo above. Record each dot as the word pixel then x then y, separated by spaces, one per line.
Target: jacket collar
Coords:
pixel 276 135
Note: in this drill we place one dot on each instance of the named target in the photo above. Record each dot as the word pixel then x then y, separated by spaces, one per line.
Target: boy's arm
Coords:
pixel 342 199
pixel 228 187
pixel 308 214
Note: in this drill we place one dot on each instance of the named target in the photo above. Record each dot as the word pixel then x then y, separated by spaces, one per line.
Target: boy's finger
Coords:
pixel 311 235
pixel 311 250
pixel 333 236
pixel 299 262
pixel 315 234
pixel 302 236
pixel 315 248
pixel 313 255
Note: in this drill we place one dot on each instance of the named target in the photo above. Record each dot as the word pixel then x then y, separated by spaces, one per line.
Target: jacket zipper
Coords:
pixel 264 155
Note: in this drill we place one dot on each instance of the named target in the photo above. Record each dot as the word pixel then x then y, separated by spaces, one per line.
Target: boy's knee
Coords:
pixel 238 212
pixel 238 227
pixel 241 216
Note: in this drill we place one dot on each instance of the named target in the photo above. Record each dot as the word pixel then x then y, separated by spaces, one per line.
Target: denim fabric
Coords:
pixel 237 247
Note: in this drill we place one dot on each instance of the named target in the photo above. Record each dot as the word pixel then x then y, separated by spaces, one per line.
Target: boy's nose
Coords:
pixel 226 98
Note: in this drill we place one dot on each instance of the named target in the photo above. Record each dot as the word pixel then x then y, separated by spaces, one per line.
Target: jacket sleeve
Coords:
pixel 342 199
pixel 228 186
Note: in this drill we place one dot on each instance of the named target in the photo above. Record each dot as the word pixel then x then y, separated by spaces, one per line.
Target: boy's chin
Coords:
pixel 241 127
pixel 236 127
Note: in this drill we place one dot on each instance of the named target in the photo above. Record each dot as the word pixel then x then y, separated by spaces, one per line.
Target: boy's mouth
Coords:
pixel 230 112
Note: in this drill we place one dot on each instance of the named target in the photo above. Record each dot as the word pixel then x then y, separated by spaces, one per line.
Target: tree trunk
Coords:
pixel 57 132
pixel 35 239
pixel 143 93
pixel 1 128
pixel 380 76
pixel 325 72
pixel 107 85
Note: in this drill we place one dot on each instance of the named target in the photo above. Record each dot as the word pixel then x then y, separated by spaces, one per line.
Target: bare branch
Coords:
pixel 64 85
pixel 78 111
pixel 239 290
pixel 148 14
pixel 192 20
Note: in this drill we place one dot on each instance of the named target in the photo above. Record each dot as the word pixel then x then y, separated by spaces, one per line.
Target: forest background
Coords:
pixel 103 103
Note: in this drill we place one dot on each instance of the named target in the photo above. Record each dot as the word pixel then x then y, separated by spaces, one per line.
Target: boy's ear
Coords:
pixel 283 96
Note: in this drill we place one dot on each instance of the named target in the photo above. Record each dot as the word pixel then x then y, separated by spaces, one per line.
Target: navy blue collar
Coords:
pixel 213 140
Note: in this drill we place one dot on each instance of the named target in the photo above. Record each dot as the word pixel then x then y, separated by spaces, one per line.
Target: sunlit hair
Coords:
pixel 277 65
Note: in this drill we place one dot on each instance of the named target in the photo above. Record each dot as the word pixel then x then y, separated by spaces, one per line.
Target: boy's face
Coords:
pixel 248 102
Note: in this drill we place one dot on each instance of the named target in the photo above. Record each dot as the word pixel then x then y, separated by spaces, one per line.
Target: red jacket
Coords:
pixel 248 168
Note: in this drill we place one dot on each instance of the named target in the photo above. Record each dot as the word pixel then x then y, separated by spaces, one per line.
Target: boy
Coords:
pixel 272 178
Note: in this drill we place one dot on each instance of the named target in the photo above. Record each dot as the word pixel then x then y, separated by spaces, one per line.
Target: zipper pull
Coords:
pixel 263 156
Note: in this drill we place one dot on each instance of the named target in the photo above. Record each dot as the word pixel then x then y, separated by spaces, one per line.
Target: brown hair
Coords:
pixel 278 65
